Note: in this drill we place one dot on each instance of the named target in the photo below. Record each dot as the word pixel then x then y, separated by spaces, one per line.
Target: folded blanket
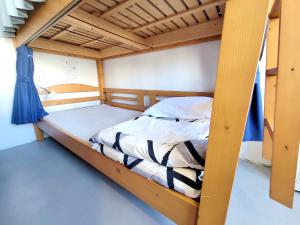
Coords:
pixel 184 180
pixel 169 142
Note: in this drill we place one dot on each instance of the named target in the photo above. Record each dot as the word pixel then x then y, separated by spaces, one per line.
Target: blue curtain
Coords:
pixel 27 107
pixel 254 126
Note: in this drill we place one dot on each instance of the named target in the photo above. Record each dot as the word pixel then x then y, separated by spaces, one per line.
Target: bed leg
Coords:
pixel 39 134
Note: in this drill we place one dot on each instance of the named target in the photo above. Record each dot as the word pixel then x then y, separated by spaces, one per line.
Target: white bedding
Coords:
pixel 85 122
pixel 184 180
pixel 168 142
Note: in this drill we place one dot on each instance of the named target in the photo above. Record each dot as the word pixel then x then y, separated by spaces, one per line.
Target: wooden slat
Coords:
pixel 100 73
pixel 105 28
pixel 128 106
pixel 131 99
pixel 124 4
pixel 241 44
pixel 69 101
pixel 62 33
pixel 64 48
pixel 287 107
pixel 272 44
pixel 195 32
pixel 166 201
pixel 269 108
pixel 42 18
pixel 196 9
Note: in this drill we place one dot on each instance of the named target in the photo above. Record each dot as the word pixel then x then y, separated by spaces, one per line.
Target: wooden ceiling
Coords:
pixel 108 28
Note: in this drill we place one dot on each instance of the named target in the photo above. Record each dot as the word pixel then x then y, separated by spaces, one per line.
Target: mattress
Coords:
pixel 86 122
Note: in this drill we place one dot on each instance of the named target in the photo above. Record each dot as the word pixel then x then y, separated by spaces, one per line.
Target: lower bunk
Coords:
pixel 176 206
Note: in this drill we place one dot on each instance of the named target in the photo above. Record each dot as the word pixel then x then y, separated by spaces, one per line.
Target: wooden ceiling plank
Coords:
pixel 62 33
pixel 150 9
pixel 42 18
pixel 196 9
pixel 124 4
pixel 106 28
pixel 101 7
pixel 164 7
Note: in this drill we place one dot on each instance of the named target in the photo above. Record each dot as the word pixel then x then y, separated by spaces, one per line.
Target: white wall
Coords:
pixel 56 69
pixel 190 68
pixel 10 135
pixel 49 70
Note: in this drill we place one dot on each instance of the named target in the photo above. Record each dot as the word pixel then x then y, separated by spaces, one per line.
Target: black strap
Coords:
pixel 93 140
pixel 116 145
pixel 196 185
pixel 133 164
pixel 102 148
pixel 170 178
pixel 125 160
pixel 165 159
pixel 151 151
pixel 194 153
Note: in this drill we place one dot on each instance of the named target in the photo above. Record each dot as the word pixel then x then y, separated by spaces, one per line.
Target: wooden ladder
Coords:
pixel 282 100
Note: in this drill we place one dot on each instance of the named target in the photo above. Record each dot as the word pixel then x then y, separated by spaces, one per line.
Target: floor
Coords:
pixel 43 184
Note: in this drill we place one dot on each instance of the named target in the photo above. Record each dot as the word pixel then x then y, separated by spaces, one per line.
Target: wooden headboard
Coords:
pixel 134 99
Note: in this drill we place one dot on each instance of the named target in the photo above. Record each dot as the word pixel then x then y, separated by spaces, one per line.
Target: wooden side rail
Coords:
pixel 133 99
pixel 115 97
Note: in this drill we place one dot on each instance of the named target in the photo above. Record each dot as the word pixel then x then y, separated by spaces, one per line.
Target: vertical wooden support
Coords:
pixel 39 134
pixel 270 87
pixel 287 107
pixel 242 38
pixel 100 72
pixel 270 92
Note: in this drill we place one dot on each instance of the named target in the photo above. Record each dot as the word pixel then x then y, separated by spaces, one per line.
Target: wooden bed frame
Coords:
pixel 101 29
pixel 164 200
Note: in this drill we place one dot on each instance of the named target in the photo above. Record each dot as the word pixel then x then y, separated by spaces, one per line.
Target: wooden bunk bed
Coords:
pixel 101 29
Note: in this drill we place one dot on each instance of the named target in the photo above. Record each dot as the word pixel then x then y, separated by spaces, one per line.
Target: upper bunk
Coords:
pixel 107 28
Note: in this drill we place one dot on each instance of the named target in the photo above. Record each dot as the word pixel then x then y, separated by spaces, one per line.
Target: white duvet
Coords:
pixel 169 142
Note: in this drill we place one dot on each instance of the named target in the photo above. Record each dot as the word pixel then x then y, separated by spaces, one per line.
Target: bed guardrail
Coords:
pixel 134 99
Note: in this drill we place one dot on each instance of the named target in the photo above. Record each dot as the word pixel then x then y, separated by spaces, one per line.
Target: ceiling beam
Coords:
pixel 195 32
pixel 64 48
pixel 196 9
pixel 201 32
pixel 104 28
pixel 42 18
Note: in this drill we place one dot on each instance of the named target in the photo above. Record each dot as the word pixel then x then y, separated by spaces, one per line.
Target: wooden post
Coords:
pixel 100 80
pixel 39 134
pixel 242 38
pixel 287 107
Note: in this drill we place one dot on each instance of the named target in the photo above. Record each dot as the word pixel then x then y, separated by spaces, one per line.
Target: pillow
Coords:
pixel 182 108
